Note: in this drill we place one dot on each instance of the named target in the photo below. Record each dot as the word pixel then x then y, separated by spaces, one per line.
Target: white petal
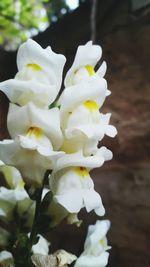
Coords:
pixel 96 233
pixel 67 190
pixel 105 153
pixel 91 131
pixel 77 159
pixel 71 201
pixel 91 261
pixel 92 201
pixel 11 175
pixel 42 247
pixel 108 92
pixel 102 69
pixel 111 131
pixel 22 92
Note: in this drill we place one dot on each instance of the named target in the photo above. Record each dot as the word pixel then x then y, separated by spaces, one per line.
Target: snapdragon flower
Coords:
pixel 82 124
pixel 87 56
pixel 95 248
pixel 39 76
pixel 39 125
pixel 71 184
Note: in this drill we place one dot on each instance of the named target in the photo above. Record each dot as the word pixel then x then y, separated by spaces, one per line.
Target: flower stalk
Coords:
pixel 34 230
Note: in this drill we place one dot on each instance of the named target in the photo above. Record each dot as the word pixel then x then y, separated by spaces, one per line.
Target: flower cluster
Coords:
pixel 57 132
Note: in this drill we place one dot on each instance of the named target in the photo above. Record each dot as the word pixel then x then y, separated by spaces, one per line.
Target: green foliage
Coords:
pixel 18 18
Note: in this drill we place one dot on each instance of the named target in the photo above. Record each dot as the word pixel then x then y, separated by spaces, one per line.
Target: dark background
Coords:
pixel 123 31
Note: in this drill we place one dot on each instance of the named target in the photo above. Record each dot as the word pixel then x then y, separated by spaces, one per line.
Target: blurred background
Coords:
pixel 122 28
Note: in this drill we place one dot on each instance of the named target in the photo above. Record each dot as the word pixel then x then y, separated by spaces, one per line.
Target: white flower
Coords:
pixel 86 58
pixel 42 126
pixel 94 89
pixel 31 156
pixel 6 259
pixel 95 248
pixel 71 184
pixel 34 62
pixel 39 77
pixel 36 133
pixel 42 247
pixel 82 124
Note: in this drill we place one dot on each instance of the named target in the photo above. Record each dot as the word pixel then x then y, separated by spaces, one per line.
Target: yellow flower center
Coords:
pixel 102 242
pixel 91 105
pixel 37 132
pixel 90 70
pixel 21 184
pixel 81 171
pixel 34 67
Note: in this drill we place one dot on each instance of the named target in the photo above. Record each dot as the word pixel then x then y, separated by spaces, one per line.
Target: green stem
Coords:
pixel 34 230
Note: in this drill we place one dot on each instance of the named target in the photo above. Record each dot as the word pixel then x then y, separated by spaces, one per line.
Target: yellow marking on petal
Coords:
pixel 91 105
pixel 21 184
pixel 37 132
pixel 90 70
pixel 81 171
pixel 34 67
pixel 102 242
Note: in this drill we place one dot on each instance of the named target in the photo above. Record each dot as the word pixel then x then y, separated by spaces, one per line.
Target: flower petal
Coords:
pixel 92 201
pixel 42 247
pixel 90 260
pixel 71 201
pixel 22 92
pixel 102 69
pixel 77 159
